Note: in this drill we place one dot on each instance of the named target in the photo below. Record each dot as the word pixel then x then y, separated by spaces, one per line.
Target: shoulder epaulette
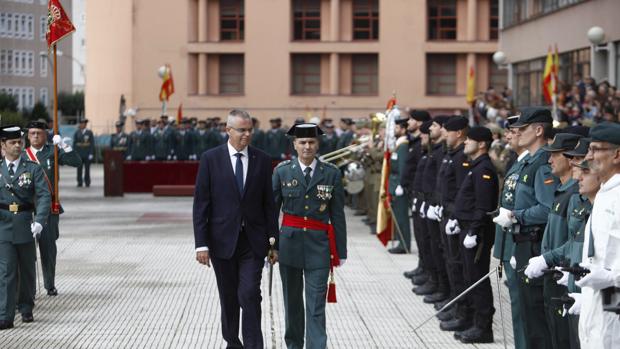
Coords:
pixel 285 162
pixel 330 165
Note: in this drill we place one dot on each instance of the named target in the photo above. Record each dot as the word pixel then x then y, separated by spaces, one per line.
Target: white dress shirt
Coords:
pixel 244 159
pixel 16 164
pixel 312 167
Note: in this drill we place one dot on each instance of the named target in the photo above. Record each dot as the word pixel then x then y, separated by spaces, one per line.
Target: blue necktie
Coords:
pixel 239 172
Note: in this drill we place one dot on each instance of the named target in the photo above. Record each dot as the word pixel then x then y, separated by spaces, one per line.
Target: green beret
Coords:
pixel 606 132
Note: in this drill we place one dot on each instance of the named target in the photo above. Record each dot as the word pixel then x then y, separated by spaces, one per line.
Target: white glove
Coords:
pixel 56 140
pixel 432 213
pixel 65 144
pixel 399 191
pixel 598 278
pixel 576 308
pixel 415 201
pixel 535 267
pixel 36 229
pixel 90 156
pixel 440 212
pixel 169 157
pixel 128 157
pixel 513 262
pixel 564 280
pixel 342 261
pixel 422 211
pixel 504 219
pixel 452 227
pixel 470 241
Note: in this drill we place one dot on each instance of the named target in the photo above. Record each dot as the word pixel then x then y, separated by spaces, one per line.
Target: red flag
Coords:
pixel 548 77
pixel 391 103
pixel 167 87
pixel 58 23
pixel 384 215
pixel 180 114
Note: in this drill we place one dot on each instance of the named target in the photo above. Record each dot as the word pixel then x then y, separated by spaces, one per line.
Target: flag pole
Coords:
pixel 55 201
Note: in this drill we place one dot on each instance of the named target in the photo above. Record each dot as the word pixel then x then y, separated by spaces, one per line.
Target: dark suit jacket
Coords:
pixel 219 209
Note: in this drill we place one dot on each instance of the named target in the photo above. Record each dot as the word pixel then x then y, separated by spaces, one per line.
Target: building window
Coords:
pixel 498 78
pixel 231 20
pixel 574 62
pixel 364 74
pixel 306 74
pixel 307 19
pixel 231 74
pixel 43 96
pixel 528 77
pixel 42 27
pixel 43 66
pixel 442 19
pixel 441 74
pixel 365 19
pixel 494 20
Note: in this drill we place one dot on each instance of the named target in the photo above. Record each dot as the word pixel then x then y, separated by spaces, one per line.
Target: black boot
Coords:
pixel 420 279
pixel 438 296
pixel 441 304
pixel 415 272
pixel 429 287
pixel 477 335
pixel 397 250
pixel 455 324
pixel 446 315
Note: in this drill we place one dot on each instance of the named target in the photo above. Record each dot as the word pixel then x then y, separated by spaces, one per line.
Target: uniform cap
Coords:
pixel 606 132
pixel 584 164
pixel 580 150
pixel 562 142
pixel 530 115
pixel 11 132
pixel 512 120
pixel 37 124
pixel 401 122
pixel 456 123
pixel 441 119
pixel 583 131
pixel 83 121
pixel 426 127
pixel 480 134
pixel 305 130
pixel 420 115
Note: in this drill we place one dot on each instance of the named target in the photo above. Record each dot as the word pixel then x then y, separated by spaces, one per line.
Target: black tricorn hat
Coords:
pixel 11 132
pixel 305 130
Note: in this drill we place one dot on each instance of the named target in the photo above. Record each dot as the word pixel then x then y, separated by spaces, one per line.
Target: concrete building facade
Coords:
pixel 531 27
pixel 287 58
pixel 25 69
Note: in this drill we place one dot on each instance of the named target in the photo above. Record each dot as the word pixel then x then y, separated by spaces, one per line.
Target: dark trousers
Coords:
pixel 558 324
pixel 400 211
pixel 424 244
pixel 49 251
pixel 419 237
pixel 238 284
pixel 17 267
pixel 86 169
pixel 454 265
pixel 573 332
pixel 476 265
pixel 437 254
pixel 531 298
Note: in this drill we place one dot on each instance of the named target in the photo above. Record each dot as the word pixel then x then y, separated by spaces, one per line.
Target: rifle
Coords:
pixel 576 270
pixel 565 300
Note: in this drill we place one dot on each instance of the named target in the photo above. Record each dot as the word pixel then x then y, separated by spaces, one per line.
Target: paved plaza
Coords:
pixel 127 278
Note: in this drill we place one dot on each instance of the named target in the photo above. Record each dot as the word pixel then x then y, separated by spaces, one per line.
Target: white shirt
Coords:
pixel 244 159
pixel 16 162
pixel 312 167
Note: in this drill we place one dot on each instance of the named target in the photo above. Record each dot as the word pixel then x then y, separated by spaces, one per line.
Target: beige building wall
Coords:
pixel 128 40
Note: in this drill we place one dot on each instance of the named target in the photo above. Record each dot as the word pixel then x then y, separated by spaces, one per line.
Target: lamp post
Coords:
pixel 75 60
pixel 500 58
pixel 602 56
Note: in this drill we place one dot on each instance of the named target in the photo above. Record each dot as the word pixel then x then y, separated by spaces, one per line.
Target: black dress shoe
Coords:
pixel 5 324
pixel 79 185
pixel 427 288
pixel 455 325
pixel 27 317
pixel 415 272
pixel 359 213
pixel 52 292
pixel 397 250
pixel 446 315
pixel 438 296
pixel 420 279
pixel 441 304
pixel 477 335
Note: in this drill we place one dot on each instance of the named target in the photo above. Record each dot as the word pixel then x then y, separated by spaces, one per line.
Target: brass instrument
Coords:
pixel 360 144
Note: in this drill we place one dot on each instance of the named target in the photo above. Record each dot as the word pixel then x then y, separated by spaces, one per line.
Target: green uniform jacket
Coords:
pixel 507 201
pixel 345 139
pixel 556 231
pixel 328 144
pixel 535 191
pixel 258 139
pixel 46 161
pixel 397 165
pixel 84 143
pixel 140 145
pixel 119 141
pixel 185 142
pixel 160 144
pixel 28 187
pixel 323 200
pixel 276 143
pixel 570 252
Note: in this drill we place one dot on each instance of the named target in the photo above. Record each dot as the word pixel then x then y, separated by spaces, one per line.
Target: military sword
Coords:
pixel 37 260
pixel 272 242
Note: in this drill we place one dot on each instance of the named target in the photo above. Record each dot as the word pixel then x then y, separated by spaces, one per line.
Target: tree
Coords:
pixel 8 102
pixel 71 104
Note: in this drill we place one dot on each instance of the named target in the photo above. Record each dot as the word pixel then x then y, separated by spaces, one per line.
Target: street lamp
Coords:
pixel 602 56
pixel 500 59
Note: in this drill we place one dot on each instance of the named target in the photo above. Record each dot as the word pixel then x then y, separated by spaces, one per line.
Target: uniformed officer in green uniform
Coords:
pixel 534 195
pixel 258 135
pixel 346 137
pixel 43 154
pixel 84 143
pixel 276 142
pixel 313 236
pixel 185 142
pixel 161 148
pixel 506 200
pixel 329 141
pixel 120 139
pixel 400 199
pixel 555 235
pixel 140 144
pixel 22 185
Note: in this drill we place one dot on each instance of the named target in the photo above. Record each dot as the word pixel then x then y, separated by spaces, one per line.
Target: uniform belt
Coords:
pixel 17 208
pixel 528 234
pixel 305 223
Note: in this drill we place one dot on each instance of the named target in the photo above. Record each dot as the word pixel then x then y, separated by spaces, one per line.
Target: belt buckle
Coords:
pixel 14 208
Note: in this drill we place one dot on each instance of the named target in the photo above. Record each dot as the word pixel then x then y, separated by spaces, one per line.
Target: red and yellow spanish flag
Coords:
pixel 556 71
pixel 549 78
pixel 167 87
pixel 58 23
pixel 385 227
pixel 471 86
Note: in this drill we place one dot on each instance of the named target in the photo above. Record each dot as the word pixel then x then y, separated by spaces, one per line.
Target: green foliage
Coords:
pixel 12 118
pixel 38 112
pixel 71 103
pixel 7 102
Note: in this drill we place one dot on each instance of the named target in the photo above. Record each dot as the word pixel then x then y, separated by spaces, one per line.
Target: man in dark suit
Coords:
pixel 234 217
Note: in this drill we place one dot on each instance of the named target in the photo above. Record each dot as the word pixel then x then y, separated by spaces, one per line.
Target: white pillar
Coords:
pixel 202 20
pixel 472 20
pixel 334 82
pixel 335 20
pixel 202 73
